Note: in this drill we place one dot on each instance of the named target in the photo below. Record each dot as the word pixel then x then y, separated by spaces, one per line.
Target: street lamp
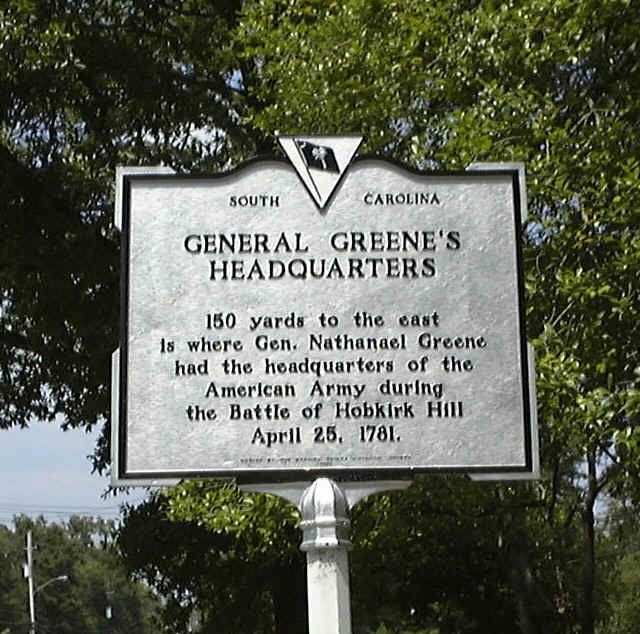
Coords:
pixel 32 596
pixel 46 583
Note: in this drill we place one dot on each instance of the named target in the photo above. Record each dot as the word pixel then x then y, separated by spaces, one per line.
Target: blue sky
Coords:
pixel 45 471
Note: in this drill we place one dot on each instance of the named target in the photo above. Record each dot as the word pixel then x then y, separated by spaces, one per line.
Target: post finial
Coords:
pixel 325 524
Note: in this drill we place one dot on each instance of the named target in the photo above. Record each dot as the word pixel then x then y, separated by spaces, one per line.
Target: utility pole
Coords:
pixel 32 588
pixel 28 571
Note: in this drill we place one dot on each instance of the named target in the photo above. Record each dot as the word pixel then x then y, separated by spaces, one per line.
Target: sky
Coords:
pixel 45 471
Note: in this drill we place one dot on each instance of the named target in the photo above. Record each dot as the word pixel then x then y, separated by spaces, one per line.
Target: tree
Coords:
pixel 86 87
pixel 83 551
pixel 12 604
pixel 619 543
pixel 437 85
pixel 233 556
pixel 444 84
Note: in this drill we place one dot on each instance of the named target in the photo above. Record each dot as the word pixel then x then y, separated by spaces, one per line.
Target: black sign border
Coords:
pixel 252 476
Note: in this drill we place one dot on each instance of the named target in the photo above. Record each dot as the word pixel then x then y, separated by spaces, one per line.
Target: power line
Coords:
pixel 8 514
pixel 11 506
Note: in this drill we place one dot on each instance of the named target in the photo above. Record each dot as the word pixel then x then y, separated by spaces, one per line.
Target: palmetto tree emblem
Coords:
pixel 320 153
pixel 319 157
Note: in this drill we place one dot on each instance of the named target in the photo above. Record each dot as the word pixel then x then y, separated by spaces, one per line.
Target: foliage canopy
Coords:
pixel 83 551
pixel 553 84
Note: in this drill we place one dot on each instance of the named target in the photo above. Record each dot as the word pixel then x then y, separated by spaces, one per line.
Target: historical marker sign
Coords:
pixel 322 315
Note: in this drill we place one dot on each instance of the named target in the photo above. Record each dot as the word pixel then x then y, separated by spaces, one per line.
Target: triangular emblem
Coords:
pixel 321 161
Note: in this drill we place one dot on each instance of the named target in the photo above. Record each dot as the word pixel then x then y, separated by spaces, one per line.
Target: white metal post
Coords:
pixel 325 530
pixel 29 574
pixel 325 539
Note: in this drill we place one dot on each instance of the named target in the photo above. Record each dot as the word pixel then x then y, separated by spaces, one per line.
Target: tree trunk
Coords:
pixel 535 610
pixel 589 556
pixel 290 599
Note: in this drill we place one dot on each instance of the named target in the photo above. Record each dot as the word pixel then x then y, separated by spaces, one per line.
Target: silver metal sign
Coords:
pixel 322 315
